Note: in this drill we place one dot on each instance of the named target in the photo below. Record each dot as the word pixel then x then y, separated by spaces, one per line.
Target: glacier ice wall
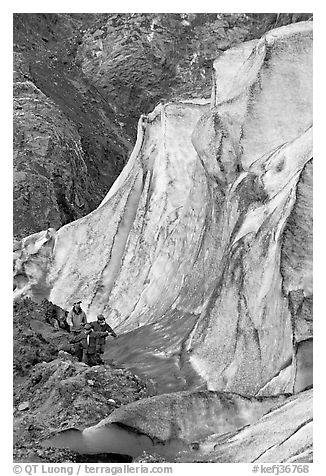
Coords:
pixel 200 255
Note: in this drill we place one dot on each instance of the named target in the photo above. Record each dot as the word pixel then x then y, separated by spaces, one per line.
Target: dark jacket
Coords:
pixel 103 330
pixel 88 340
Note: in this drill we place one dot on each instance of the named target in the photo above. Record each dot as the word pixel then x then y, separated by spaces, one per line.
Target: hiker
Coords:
pixel 63 324
pixel 94 337
pixel 80 342
pixel 84 344
pixel 101 326
pixel 76 318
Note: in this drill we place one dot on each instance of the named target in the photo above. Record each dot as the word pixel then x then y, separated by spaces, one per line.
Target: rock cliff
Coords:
pixel 68 145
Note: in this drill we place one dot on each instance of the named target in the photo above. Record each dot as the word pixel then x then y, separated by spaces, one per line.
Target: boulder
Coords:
pixel 23 406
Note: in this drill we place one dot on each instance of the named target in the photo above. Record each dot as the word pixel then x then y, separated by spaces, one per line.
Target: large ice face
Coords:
pixel 184 255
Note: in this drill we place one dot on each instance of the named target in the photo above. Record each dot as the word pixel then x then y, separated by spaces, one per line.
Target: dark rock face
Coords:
pixel 35 337
pixel 47 150
pixel 68 147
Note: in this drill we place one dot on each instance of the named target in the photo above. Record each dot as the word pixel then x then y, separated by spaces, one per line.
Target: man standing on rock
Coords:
pixel 76 318
pixel 102 327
